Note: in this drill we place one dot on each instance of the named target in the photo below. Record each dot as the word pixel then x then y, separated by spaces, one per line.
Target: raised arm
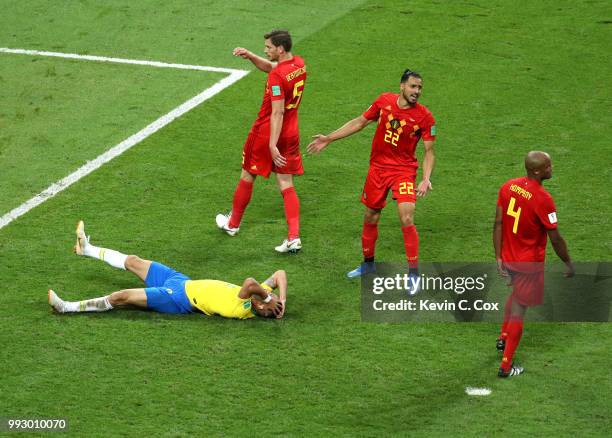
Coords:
pixel 279 280
pixel 560 247
pixel 268 301
pixel 251 288
pixel 259 62
pixel 321 141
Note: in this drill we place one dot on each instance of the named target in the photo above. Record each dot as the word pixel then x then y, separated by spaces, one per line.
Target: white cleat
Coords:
pixel 82 240
pixel 56 302
pixel 223 224
pixel 292 246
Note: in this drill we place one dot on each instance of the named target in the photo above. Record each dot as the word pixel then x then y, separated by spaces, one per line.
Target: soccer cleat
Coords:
pixel 82 240
pixel 500 344
pixel 291 246
pixel 514 370
pixel 56 302
pixel 223 224
pixel 363 269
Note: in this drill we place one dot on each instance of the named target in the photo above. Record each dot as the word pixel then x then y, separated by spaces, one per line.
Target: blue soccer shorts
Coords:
pixel 166 290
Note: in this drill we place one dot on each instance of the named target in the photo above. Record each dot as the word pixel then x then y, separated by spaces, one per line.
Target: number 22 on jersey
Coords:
pixel 516 214
pixel 392 137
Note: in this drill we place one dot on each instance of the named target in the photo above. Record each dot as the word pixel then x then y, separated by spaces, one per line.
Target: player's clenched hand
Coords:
pixel 278 159
pixel 319 143
pixel 276 306
pixel 242 52
pixel 424 187
pixel 279 311
pixel 501 269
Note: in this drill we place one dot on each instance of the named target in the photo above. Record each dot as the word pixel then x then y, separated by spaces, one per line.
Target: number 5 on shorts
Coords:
pixel 406 188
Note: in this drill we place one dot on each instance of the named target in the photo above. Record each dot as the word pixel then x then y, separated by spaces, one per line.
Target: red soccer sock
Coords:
pixel 242 197
pixel 508 307
pixel 292 212
pixel 515 331
pixel 411 244
pixel 368 240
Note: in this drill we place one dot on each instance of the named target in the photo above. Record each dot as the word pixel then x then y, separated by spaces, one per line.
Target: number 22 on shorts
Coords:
pixel 406 188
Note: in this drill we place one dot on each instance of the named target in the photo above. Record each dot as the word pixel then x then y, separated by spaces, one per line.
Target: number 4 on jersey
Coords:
pixel 516 214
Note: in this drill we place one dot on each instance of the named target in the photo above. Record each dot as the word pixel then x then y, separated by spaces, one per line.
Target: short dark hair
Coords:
pixel 408 73
pixel 280 38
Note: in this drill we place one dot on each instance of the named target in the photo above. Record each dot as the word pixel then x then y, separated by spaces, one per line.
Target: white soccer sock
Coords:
pixel 100 304
pixel 110 256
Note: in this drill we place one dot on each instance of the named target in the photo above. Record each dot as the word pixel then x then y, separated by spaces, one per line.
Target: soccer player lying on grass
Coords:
pixel 169 291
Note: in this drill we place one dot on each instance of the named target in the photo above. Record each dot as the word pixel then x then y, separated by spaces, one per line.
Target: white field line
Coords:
pixel 117 60
pixel 477 391
pixel 90 166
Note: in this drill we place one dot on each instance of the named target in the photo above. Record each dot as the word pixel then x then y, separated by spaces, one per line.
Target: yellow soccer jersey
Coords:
pixel 214 297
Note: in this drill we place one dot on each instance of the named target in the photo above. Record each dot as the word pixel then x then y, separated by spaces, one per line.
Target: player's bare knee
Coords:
pixel 133 262
pixel 284 181
pixel 247 176
pixel 372 216
pixel 407 220
pixel 119 298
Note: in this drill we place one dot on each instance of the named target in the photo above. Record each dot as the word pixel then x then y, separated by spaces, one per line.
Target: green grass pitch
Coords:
pixel 502 78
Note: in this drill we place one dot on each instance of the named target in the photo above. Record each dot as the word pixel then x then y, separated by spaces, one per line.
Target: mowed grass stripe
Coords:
pixel 30 172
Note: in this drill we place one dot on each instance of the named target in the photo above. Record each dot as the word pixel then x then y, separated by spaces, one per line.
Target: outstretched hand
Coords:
pixel 319 143
pixel 423 188
pixel 242 52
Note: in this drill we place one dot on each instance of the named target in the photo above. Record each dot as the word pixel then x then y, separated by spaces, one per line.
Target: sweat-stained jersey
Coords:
pixel 398 131
pixel 527 212
pixel 285 81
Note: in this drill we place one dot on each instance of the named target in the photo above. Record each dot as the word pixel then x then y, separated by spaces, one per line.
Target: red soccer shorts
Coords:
pixel 401 182
pixel 257 160
pixel 528 287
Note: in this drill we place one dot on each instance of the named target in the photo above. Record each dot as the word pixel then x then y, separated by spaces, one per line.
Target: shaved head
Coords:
pixel 538 165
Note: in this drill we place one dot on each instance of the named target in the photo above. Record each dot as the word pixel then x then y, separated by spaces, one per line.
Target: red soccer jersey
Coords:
pixel 527 212
pixel 285 81
pixel 398 131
